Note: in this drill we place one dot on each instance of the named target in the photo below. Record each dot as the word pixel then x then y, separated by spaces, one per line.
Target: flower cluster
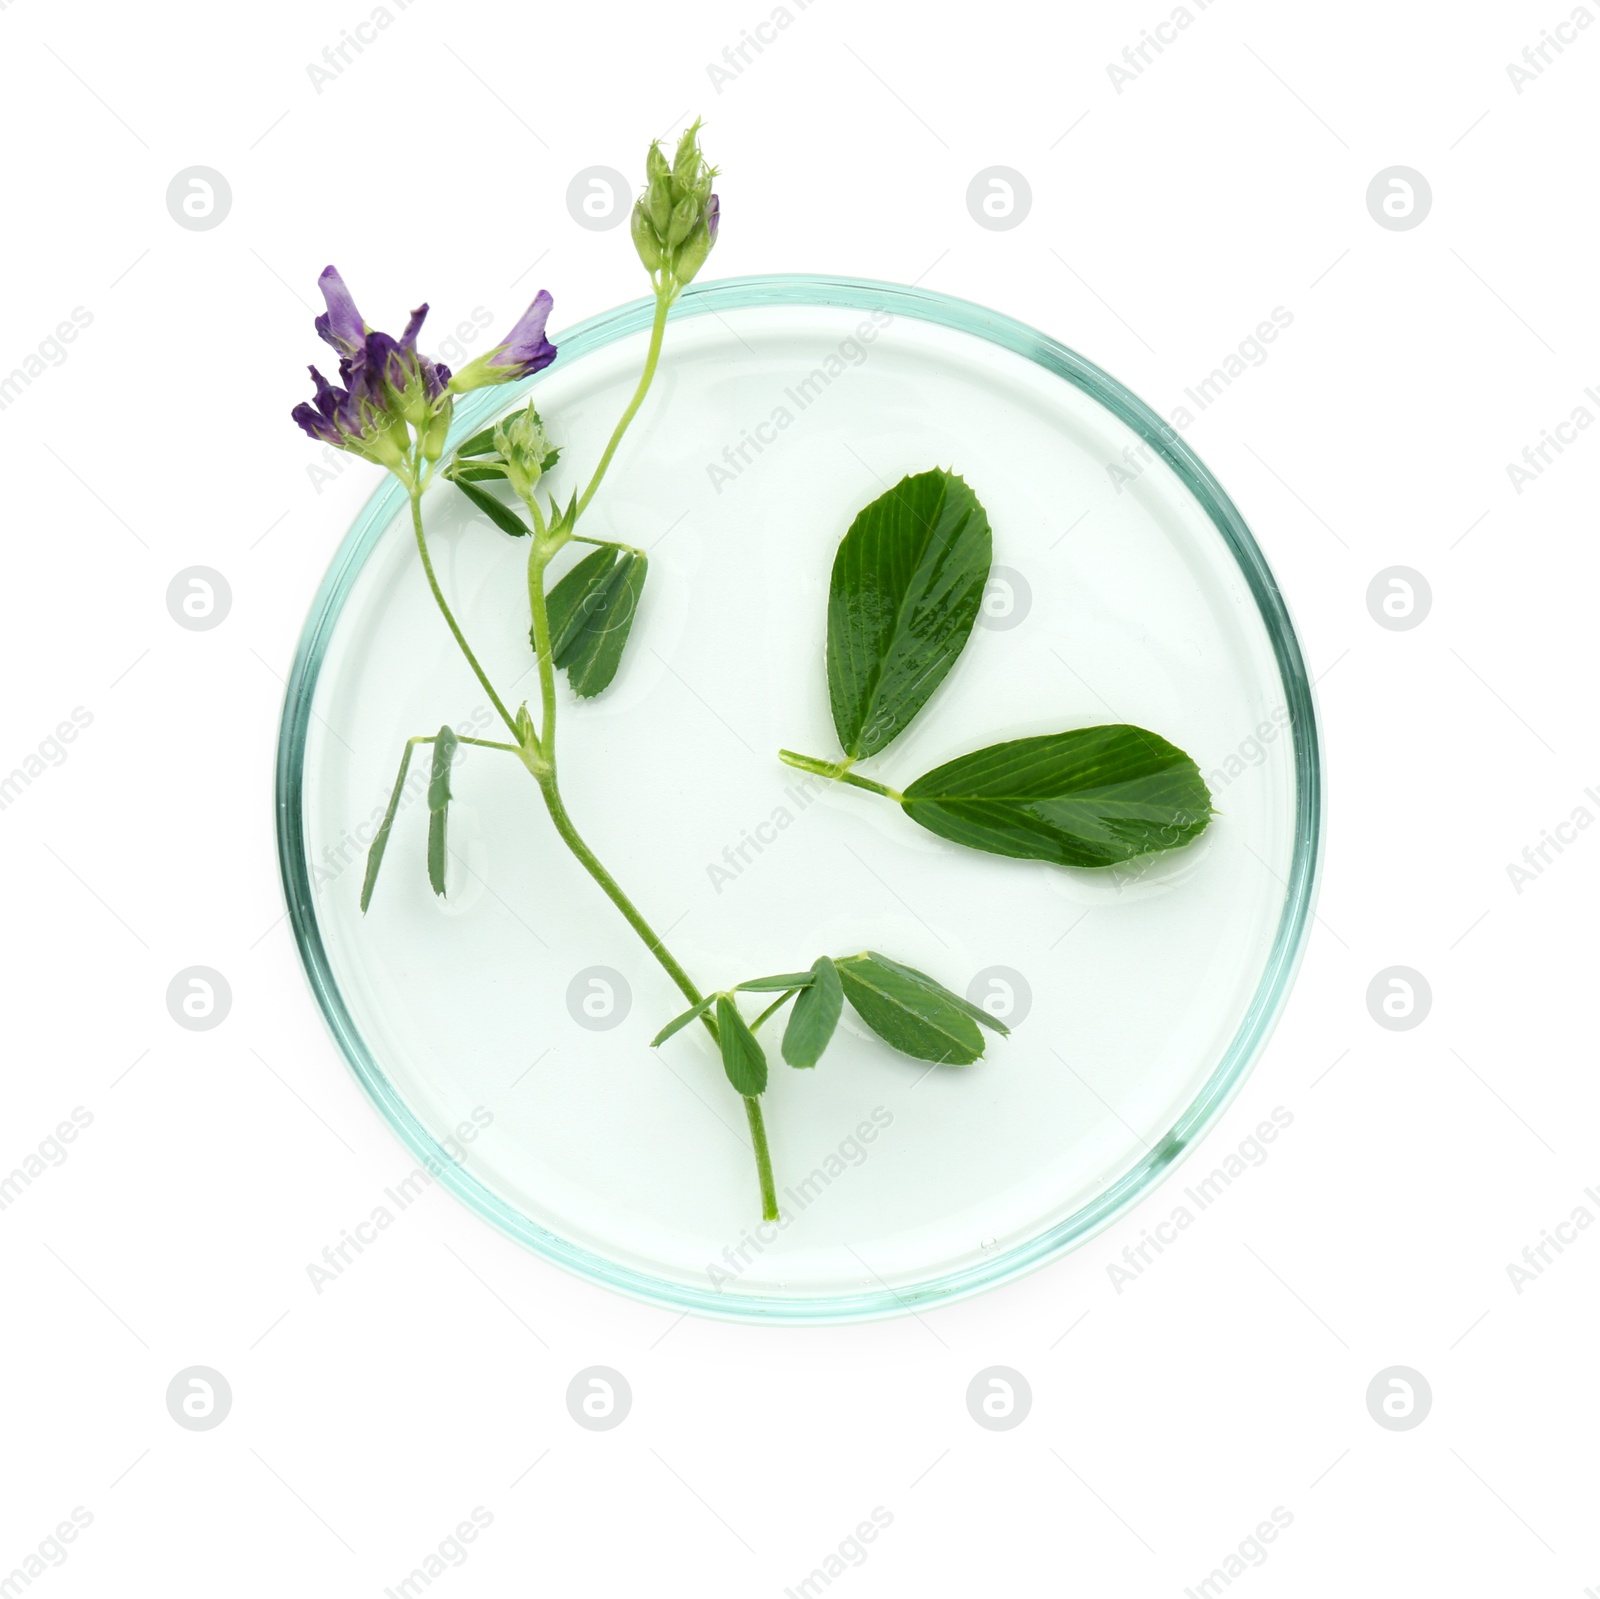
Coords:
pixel 396 405
pixel 524 447
pixel 675 219
pixel 392 391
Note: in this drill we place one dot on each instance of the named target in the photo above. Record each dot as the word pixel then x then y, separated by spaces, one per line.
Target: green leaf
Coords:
pixel 678 1023
pixel 385 827
pixel 444 752
pixel 566 601
pixel 986 1017
pixel 742 1057
pixel 909 1010
pixel 486 471
pixel 772 985
pixel 591 613
pixel 907 584
pixel 815 1015
pixel 480 443
pixel 502 516
pixel 1092 797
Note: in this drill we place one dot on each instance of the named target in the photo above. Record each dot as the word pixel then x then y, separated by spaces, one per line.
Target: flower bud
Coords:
pixel 523 447
pixel 674 222
pixel 387 445
pixel 692 254
pixel 688 163
pixel 658 198
pixel 645 239
pixel 438 426
pixel 684 216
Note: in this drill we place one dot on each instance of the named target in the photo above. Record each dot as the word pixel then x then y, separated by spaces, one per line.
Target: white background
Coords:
pixel 1169 1419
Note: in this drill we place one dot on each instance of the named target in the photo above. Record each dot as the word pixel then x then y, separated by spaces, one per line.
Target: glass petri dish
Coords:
pixel 504 1031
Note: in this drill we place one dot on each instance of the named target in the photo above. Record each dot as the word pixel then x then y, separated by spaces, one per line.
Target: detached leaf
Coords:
pixel 444 752
pixel 502 516
pixel 385 827
pixel 815 1015
pixel 1092 797
pixel 742 1057
pixel 909 1010
pixel 907 584
pixel 591 613
pixel 678 1023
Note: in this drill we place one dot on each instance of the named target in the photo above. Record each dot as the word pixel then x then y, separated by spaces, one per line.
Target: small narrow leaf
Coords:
pixel 815 1015
pixel 1093 797
pixel 907 583
pixel 772 985
pixel 679 1022
pixel 385 827
pixel 481 443
pixel 486 469
pixel 742 1057
pixel 909 1010
pixel 502 516
pixel 444 752
pixel 591 613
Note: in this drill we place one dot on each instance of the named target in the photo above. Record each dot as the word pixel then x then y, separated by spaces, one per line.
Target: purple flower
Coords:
pixel 317 426
pixel 408 339
pixel 388 362
pixel 713 216
pixel 336 418
pixel 389 385
pixel 435 374
pixel 353 419
pixel 524 351
pixel 341 325
pixel 415 382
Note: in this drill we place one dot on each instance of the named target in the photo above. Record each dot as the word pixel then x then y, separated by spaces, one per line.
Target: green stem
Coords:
pixel 592 864
pixel 542 763
pixel 839 772
pixel 658 327
pixel 538 558
pixel 613 890
pixel 449 615
pixel 652 940
pixel 607 544
pixel 777 1004
pixel 758 1138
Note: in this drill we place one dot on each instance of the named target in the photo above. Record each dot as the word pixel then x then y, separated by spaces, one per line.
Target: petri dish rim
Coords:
pixel 1278 972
